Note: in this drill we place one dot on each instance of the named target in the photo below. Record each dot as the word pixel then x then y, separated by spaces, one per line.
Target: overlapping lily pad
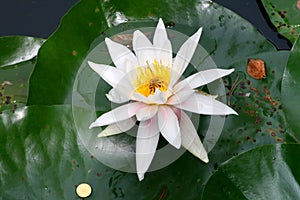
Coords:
pixel 285 15
pixel 14 85
pixel 268 172
pixel 17 59
pixel 290 90
pixel 15 49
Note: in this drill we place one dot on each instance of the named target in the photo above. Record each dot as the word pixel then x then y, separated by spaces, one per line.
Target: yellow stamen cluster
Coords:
pixel 151 78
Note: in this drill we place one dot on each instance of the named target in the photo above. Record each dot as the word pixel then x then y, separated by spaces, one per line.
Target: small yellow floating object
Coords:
pixel 83 190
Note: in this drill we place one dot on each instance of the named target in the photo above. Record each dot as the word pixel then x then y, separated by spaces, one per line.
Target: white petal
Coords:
pixel 168 126
pixel 162 44
pixel 121 56
pixel 146 113
pixel 118 114
pixel 180 96
pixel 202 78
pixel 143 48
pixel 184 56
pixel 190 139
pixel 116 97
pixel 125 87
pixel 158 97
pixel 164 53
pixel 146 143
pixel 207 105
pixel 119 127
pixel 160 34
pixel 110 74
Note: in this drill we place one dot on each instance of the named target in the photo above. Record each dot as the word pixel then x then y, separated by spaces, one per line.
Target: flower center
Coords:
pixel 151 78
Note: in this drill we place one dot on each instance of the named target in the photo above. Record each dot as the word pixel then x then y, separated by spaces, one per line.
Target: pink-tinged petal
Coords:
pixel 116 97
pixel 190 139
pixel 169 126
pixel 118 114
pixel 119 127
pixel 202 78
pixel 184 56
pixel 207 105
pixel 143 48
pixel 121 56
pixel 180 96
pixel 147 112
pixel 110 74
pixel 146 143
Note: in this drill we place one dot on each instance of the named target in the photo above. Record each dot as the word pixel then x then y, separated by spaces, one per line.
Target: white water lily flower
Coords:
pixel 149 81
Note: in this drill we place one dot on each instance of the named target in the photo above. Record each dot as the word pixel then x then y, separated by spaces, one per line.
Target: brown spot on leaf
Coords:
pixel 282 14
pixel 266 91
pixel 74 53
pixel 273 134
pixel 171 25
pixel 269 123
pixel 270 99
pixel 97 10
pixel 254 89
pixel 258 120
pixel 293 31
pixel 256 68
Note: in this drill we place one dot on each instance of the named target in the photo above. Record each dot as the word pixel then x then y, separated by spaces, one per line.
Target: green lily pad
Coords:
pixel 60 57
pixel 268 172
pixel 43 158
pixel 16 49
pixel 290 89
pixel 41 154
pixel 227 37
pixel 261 119
pixel 285 15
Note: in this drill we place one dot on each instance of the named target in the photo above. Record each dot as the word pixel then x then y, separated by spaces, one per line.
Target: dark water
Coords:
pixel 40 18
